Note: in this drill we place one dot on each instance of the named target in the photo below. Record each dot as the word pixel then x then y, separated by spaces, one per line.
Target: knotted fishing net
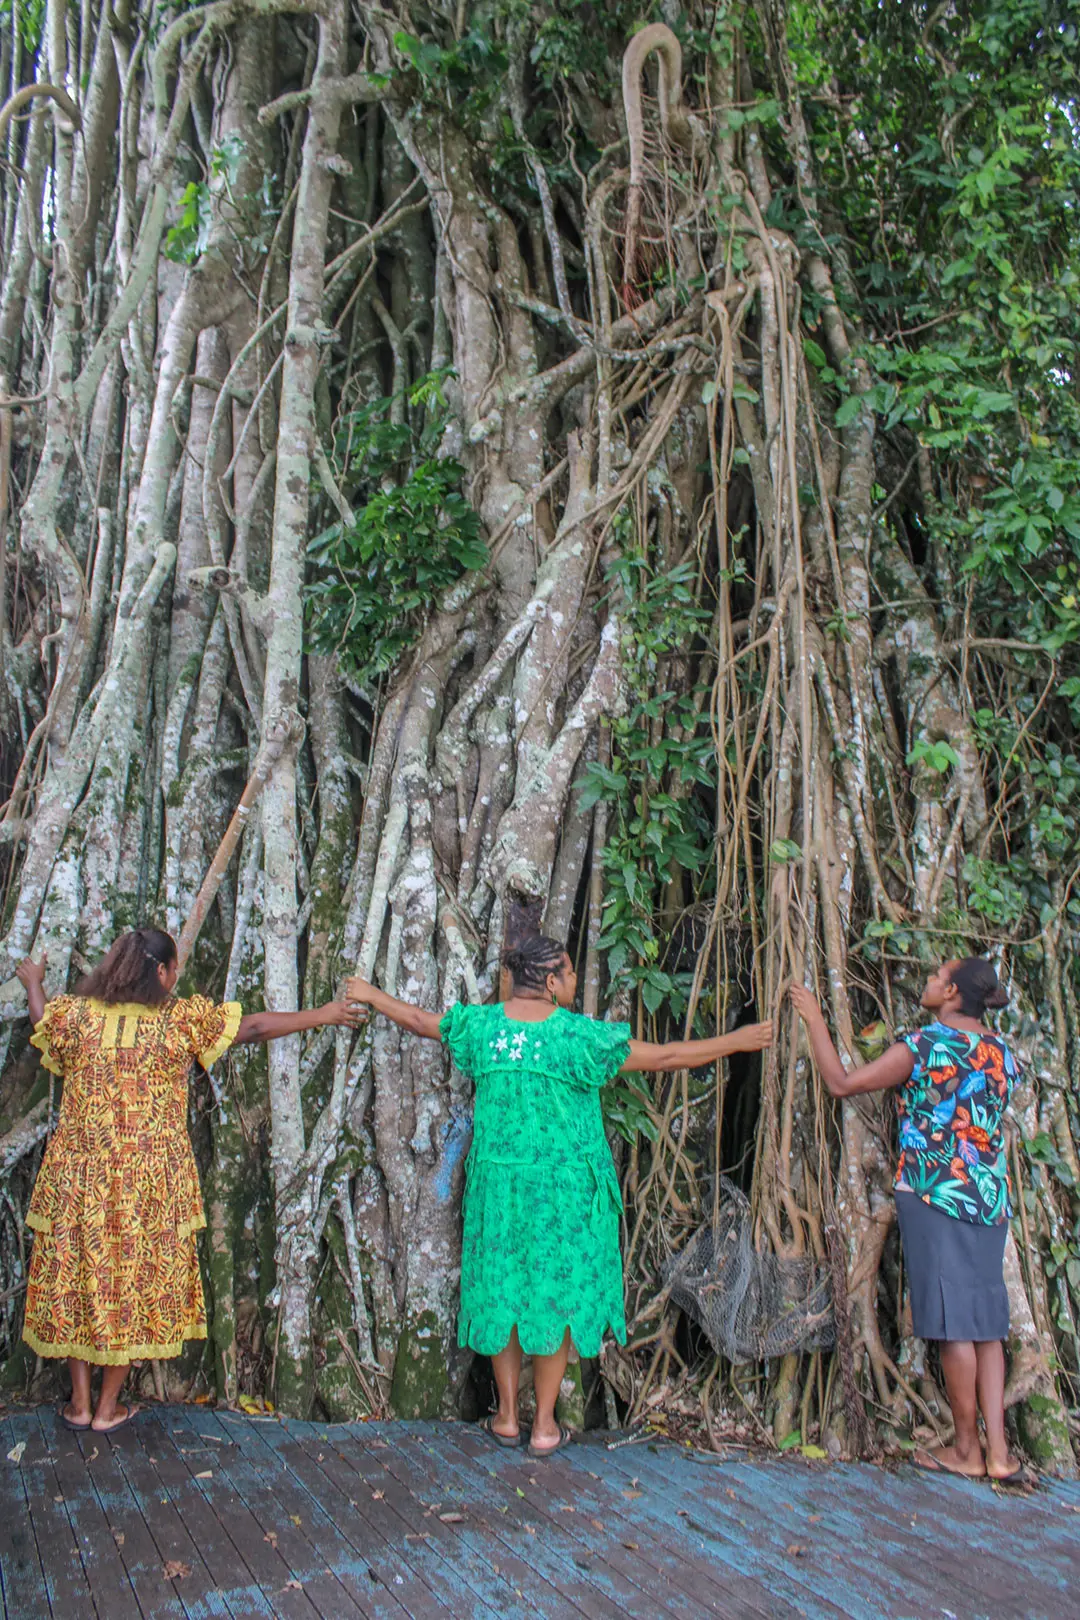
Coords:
pixel 751 1306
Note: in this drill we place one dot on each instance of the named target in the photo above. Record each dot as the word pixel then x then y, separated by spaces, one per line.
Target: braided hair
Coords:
pixel 531 960
pixel 130 970
pixel 978 986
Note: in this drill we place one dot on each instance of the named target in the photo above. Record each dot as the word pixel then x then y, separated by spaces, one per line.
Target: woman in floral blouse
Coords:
pixel 955 1079
pixel 540 1263
pixel 114 1274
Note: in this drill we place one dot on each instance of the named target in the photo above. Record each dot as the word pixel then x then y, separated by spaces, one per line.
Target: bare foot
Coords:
pixel 947 1460
pixel 1003 1465
pixel 73 1414
pixel 545 1436
pixel 115 1420
pixel 507 1427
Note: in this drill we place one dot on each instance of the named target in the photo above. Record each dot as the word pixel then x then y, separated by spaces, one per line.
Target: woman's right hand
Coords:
pixel 804 1002
pixel 30 972
pixel 754 1037
pixel 359 990
pixel 345 1014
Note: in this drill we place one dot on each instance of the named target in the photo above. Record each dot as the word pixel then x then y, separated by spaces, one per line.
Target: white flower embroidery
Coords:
pixel 516 1055
pixel 520 1038
pixel 500 1044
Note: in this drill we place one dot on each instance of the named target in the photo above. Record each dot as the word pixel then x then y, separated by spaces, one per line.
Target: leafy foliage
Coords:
pixel 413 535
pixel 662 752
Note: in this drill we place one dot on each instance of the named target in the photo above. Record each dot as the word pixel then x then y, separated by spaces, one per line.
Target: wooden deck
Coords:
pixel 193 1514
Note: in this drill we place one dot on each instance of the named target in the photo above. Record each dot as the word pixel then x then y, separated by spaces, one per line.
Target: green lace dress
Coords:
pixel 542 1204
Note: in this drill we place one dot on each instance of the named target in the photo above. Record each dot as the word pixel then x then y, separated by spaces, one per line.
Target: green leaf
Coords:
pixel 847 410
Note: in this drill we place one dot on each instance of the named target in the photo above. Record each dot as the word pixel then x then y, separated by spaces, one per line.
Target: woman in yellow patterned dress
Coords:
pixel 114 1274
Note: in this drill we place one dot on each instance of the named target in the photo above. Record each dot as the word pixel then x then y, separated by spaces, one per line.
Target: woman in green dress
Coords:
pixel 540 1262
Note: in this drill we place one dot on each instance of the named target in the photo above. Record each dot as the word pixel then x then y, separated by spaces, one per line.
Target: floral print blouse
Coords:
pixel 952 1139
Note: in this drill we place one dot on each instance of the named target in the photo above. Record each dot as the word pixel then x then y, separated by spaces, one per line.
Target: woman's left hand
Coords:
pixel 343 1013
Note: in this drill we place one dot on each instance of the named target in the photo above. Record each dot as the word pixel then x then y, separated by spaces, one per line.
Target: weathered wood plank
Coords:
pixel 429 1578
pixel 22 1577
pixel 302 1532
pixel 186 1531
pixel 111 1590
pixel 388 1521
pixel 514 1484
pixel 592 1513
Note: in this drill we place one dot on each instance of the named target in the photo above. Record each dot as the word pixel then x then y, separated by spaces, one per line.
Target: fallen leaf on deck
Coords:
pixel 682 1513
pixel 530 1529
pixel 452 1518
pixel 519 1490
pixel 632 1496
pixel 203 1400
pixel 631 1546
pixel 174 1570
pixel 816 1452
pixel 815 1518
pixel 93 1455
pixel 58 1498
pixel 296 1519
pixel 271 1537
pixel 597 1524
pixel 207 1473
pixel 377 1496
pixel 564 1507
pixel 795 1551
pixel 118 1537
pixel 15 1455
pixel 293 1586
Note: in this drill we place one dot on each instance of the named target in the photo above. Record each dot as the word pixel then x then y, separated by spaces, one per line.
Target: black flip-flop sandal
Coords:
pixel 1019 1476
pixel 69 1423
pixel 509 1442
pixel 565 1438
pixel 933 1466
pixel 114 1428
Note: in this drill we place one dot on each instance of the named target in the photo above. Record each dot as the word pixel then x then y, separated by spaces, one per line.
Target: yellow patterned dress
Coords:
pixel 114 1275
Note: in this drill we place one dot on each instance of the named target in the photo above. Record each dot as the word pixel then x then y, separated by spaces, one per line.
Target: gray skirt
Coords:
pixel 954 1273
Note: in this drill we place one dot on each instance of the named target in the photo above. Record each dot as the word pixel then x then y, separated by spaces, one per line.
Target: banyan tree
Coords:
pixel 607 464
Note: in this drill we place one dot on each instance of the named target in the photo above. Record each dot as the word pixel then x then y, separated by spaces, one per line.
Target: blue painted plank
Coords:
pixel 722 1532
pixel 929 1511
pixel 494 1581
pixel 407 1560
pixel 654 1566
pixel 256 1552
pixel 514 1522
pixel 303 1533
pixel 489 1521
pixel 209 1590
pixel 134 1544
pixel 22 1578
pixel 105 1573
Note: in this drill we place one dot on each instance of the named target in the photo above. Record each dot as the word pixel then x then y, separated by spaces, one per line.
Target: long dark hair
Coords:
pixel 978 986
pixel 130 970
pixel 529 962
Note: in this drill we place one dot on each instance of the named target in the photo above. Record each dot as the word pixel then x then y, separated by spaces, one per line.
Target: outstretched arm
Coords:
pixel 648 1058
pixel 887 1071
pixel 31 975
pixel 404 1013
pixel 270 1026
